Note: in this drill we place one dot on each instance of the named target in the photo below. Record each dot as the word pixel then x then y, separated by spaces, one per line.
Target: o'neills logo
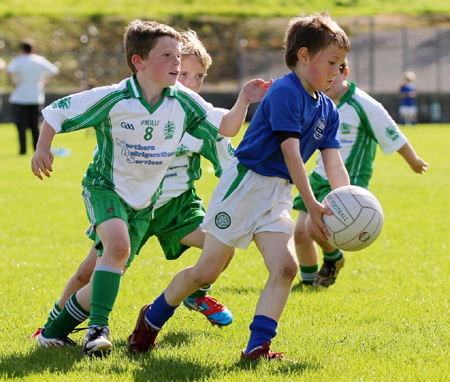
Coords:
pixel 334 206
pixel 364 236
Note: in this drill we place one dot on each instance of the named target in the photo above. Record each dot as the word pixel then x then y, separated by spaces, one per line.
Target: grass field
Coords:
pixel 231 8
pixel 386 319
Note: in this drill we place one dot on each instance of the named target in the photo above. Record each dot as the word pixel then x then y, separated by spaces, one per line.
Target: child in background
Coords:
pixel 253 200
pixel 364 123
pixel 408 105
pixel 139 124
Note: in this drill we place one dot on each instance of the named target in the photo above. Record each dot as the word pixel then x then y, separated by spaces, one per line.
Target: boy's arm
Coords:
pixel 253 91
pixel 294 162
pixel 335 169
pixel 417 164
pixel 43 158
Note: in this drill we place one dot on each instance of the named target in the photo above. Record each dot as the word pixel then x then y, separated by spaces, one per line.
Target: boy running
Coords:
pixel 364 123
pixel 253 200
pixel 139 124
pixel 177 224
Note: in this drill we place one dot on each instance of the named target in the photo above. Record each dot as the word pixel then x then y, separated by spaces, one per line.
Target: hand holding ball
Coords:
pixel 357 218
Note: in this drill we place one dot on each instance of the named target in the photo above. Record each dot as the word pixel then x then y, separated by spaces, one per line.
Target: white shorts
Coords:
pixel 408 111
pixel 245 203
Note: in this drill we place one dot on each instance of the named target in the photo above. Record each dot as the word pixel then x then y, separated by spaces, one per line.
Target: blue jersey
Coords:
pixel 405 91
pixel 287 107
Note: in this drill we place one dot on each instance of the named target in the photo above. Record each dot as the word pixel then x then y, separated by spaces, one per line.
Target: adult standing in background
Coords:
pixel 28 73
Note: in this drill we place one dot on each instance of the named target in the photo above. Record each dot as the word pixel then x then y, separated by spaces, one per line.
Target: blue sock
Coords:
pixel 263 329
pixel 159 313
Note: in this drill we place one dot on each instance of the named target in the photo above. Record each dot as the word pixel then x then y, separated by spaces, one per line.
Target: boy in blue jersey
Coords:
pixel 253 200
pixel 364 124
pixel 408 106
pixel 139 124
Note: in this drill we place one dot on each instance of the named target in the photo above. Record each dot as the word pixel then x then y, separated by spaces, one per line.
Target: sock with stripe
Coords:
pixel 53 314
pixel 308 274
pixel 68 319
pixel 332 256
pixel 263 329
pixel 105 288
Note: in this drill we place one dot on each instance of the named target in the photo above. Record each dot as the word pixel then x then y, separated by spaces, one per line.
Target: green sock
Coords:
pixel 105 288
pixel 308 274
pixel 332 256
pixel 53 314
pixel 68 319
pixel 201 292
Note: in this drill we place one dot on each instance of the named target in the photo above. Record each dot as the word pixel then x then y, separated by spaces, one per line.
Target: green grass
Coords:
pixel 386 319
pixel 232 8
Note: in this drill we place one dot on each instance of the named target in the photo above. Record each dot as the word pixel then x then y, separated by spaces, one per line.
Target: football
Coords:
pixel 357 218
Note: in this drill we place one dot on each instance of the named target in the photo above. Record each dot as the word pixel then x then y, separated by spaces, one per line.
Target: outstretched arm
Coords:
pixel 416 163
pixel 253 91
pixel 42 160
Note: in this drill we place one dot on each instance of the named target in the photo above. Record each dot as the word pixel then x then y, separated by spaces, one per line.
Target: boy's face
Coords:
pixel 162 64
pixel 339 85
pixel 192 73
pixel 322 68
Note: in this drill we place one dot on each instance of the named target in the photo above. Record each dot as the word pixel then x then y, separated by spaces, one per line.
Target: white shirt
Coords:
pixel 136 142
pixel 31 72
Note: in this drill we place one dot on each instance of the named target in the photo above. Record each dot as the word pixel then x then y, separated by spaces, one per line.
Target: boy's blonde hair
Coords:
pixel 141 37
pixel 314 32
pixel 409 76
pixel 192 46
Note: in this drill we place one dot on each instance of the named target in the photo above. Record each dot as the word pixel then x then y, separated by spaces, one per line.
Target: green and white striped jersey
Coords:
pixel 186 166
pixel 135 141
pixel 364 123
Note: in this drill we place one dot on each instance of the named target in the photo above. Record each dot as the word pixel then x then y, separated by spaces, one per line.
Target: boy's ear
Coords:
pixel 303 55
pixel 138 62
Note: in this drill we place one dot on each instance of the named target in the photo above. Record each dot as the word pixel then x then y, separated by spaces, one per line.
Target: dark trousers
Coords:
pixel 26 116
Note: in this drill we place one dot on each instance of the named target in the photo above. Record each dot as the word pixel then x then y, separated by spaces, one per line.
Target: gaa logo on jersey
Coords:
pixel 318 130
pixel 127 126
pixel 169 130
pixel 63 103
pixel 223 220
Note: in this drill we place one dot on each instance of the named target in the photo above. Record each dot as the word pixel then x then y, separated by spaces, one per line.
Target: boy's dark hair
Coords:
pixel 314 32
pixel 141 37
pixel 27 45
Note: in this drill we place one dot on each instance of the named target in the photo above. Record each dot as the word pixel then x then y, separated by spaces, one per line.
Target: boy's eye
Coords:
pixel 182 74
pixel 199 76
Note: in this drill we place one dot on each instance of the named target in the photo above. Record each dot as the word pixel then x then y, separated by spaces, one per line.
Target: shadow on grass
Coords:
pixel 39 360
pixel 150 366
pixel 300 287
pixel 156 369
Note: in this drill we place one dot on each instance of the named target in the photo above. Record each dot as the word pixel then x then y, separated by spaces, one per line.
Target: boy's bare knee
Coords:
pixel 300 235
pixel 83 277
pixel 287 271
pixel 120 250
pixel 202 279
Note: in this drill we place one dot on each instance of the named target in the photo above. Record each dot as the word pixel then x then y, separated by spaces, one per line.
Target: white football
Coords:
pixel 357 218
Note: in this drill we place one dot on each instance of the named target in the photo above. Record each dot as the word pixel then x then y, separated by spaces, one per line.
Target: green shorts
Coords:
pixel 103 204
pixel 173 221
pixel 321 188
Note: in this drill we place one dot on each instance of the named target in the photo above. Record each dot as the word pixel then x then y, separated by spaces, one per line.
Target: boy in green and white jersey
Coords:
pixel 178 211
pixel 139 124
pixel 364 124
